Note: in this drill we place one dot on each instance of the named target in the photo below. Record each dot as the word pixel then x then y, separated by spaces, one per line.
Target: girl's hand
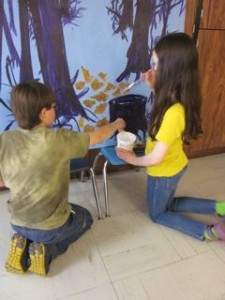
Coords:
pixel 2 184
pixel 126 155
pixel 150 78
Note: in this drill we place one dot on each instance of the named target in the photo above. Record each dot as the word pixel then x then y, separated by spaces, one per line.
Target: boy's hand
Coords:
pixel 121 123
pixel 106 131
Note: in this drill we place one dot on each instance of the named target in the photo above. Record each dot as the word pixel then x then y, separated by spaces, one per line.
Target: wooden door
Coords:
pixel 211 48
pixel 213 12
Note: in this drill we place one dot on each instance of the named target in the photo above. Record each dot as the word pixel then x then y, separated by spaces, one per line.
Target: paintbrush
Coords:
pixel 134 83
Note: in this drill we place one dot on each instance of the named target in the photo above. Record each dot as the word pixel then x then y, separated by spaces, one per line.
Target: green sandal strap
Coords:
pixel 210 234
pixel 219 229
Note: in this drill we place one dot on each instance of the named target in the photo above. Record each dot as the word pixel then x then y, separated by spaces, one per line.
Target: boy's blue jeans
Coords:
pixel 166 209
pixel 58 240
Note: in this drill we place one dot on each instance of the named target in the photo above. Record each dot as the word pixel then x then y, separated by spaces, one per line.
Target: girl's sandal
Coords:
pixel 219 229
pixel 209 233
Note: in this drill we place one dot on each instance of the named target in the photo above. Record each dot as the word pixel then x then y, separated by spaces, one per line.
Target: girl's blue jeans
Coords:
pixel 167 210
pixel 59 239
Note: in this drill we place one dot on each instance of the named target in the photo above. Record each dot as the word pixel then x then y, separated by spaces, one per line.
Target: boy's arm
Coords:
pixel 106 131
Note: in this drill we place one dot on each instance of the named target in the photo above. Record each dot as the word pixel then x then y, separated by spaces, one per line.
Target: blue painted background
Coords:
pixel 76 47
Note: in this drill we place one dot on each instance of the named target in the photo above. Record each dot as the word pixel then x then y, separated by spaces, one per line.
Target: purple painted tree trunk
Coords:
pixel 26 71
pixel 138 52
pixel 52 55
pixel 1 31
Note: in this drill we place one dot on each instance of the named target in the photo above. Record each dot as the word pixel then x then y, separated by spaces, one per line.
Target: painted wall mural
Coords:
pixel 88 52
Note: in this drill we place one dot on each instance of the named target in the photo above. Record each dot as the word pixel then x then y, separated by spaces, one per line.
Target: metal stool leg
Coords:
pixel 107 214
pixel 96 160
pixel 93 179
pixel 82 176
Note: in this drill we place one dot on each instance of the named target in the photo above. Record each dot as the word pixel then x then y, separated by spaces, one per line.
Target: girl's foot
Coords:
pixel 215 232
pixel 220 208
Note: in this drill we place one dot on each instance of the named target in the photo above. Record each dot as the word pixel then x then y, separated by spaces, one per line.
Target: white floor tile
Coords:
pixel 105 292
pixel 200 277
pixel 155 253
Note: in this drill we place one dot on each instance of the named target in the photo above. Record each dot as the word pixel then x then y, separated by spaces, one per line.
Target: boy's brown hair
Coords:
pixel 27 101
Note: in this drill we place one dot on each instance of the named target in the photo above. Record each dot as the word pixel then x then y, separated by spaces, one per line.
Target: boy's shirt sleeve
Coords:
pixel 75 144
pixel 172 126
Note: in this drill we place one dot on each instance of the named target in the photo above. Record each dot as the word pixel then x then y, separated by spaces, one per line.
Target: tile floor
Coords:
pixel 127 256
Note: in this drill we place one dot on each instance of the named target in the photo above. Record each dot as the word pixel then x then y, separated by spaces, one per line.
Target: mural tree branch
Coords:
pixel 138 52
pixel 1 32
pixel 164 10
pixel 145 21
pixel 122 16
pixel 14 58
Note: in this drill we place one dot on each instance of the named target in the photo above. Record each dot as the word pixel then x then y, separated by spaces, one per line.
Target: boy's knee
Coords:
pixel 154 218
pixel 89 219
pixel 84 214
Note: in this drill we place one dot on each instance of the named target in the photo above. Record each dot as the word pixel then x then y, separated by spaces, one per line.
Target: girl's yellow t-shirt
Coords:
pixel 170 132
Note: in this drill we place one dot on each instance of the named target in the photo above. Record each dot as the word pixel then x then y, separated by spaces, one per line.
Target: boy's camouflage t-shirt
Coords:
pixel 34 165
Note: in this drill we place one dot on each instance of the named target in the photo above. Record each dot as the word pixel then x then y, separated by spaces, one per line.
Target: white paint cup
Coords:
pixel 126 140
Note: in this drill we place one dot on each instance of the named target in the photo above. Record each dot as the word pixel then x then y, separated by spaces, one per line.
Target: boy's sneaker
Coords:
pixel 39 260
pixel 17 261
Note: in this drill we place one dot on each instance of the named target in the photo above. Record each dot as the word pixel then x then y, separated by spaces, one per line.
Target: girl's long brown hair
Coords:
pixel 177 80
